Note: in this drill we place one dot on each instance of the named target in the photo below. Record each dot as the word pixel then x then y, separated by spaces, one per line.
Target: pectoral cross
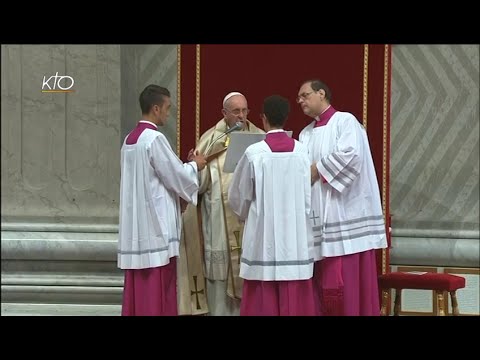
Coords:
pixel 238 247
pixel 314 217
pixel 196 292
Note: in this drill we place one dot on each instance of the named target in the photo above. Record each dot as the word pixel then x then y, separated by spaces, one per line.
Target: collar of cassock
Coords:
pixel 324 117
pixel 152 125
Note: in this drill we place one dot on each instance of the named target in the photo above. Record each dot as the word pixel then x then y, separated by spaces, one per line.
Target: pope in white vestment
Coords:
pixel 271 192
pixel 347 218
pixel 214 226
pixel 152 180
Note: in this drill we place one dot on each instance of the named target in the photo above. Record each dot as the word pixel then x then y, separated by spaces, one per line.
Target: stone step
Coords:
pixel 29 309
pixel 67 294
pixel 61 272
pixel 51 279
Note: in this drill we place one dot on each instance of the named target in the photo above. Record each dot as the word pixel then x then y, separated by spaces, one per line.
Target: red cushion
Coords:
pixel 427 281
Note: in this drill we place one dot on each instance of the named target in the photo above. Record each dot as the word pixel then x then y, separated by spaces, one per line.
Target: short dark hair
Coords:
pixel 276 109
pixel 152 95
pixel 320 85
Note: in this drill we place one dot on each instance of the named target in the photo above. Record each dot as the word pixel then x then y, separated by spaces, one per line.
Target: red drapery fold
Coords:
pixel 359 76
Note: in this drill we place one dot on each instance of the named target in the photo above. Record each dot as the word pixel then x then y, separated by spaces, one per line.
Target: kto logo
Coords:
pixel 60 84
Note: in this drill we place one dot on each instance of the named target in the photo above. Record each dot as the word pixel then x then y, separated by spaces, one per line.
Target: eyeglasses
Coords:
pixel 304 96
pixel 237 112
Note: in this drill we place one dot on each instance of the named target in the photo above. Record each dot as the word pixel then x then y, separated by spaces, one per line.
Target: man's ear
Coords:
pixel 264 121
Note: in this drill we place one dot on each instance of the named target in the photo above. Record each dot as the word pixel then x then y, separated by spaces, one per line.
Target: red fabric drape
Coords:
pixel 262 70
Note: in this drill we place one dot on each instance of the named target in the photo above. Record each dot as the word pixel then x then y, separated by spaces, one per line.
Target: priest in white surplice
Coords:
pixel 152 179
pixel 346 216
pixel 270 191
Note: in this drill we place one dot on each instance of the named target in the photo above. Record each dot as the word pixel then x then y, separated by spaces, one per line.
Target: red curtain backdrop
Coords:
pixel 209 72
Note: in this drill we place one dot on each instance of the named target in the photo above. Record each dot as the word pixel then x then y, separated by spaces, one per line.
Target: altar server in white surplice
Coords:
pixel 152 180
pixel 270 191
pixel 347 218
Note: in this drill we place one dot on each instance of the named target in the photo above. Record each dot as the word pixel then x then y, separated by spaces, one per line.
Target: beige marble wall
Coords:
pixel 60 151
pixel 143 65
pixel 435 155
pixel 435 137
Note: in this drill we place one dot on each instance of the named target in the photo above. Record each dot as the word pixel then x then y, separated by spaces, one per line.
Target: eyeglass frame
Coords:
pixel 240 111
pixel 304 96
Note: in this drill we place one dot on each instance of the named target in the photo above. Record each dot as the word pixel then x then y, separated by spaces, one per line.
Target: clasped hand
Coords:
pixel 200 159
